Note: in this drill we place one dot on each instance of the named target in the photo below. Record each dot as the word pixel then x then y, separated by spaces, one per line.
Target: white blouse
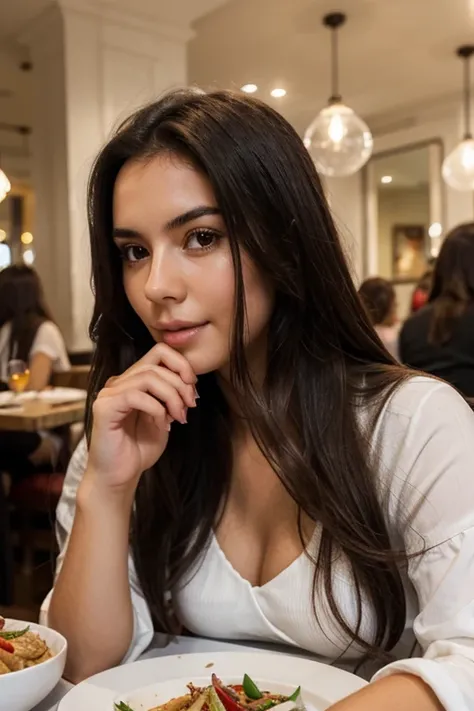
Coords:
pixel 424 445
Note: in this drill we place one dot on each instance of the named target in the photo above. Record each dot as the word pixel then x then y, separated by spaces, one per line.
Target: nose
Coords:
pixel 165 281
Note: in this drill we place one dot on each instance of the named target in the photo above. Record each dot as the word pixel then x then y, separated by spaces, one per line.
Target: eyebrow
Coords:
pixel 174 223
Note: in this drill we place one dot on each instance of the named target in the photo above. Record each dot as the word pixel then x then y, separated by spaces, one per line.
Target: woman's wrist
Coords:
pixel 93 494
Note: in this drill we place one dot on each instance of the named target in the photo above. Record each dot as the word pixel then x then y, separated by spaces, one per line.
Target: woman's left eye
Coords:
pixel 202 240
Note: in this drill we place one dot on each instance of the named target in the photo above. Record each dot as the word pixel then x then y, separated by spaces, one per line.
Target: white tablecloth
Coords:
pixel 180 645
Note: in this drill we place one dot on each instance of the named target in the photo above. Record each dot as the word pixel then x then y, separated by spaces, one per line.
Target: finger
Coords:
pixel 162 354
pixel 187 392
pixel 162 390
pixel 116 408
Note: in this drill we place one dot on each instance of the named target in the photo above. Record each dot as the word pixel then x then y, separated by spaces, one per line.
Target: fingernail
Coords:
pixel 184 417
pixel 168 427
pixel 196 394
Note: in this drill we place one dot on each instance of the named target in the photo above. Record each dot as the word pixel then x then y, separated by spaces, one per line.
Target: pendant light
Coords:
pixel 339 142
pixel 458 167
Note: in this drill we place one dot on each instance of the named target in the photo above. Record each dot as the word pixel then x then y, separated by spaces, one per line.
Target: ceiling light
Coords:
pixel 26 238
pixel 339 142
pixel 249 88
pixel 278 93
pixel 28 257
pixel 458 167
pixel 5 185
pixel 435 230
pixel 386 179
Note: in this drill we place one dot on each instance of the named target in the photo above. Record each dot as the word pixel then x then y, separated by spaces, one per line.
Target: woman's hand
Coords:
pixel 132 417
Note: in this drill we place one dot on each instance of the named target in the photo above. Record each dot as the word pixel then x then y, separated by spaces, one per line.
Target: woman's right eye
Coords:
pixel 133 253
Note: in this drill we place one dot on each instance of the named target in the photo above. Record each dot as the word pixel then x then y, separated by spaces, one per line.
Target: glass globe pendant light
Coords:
pixel 458 167
pixel 339 142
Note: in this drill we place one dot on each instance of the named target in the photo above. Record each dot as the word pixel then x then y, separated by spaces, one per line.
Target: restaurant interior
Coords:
pixel 380 92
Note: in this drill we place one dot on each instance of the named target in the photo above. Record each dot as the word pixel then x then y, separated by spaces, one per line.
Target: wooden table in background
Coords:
pixel 38 415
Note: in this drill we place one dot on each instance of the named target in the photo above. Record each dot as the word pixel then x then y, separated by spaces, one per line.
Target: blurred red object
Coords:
pixel 419 299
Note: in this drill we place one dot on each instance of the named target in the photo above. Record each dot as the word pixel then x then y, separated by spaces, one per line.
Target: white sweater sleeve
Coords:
pixel 436 501
pixel 143 626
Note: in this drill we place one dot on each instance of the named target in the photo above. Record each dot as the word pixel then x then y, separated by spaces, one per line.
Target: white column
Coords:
pixel 92 68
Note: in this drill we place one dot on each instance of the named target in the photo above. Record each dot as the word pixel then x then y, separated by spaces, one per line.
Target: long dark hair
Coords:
pixel 453 282
pixel 22 304
pixel 378 297
pixel 324 359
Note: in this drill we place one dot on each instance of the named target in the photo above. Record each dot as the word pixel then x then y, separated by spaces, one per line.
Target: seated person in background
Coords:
pixel 378 296
pixel 439 338
pixel 422 291
pixel 27 332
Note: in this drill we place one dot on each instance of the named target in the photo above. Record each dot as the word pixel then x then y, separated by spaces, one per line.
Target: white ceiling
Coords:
pixel 393 52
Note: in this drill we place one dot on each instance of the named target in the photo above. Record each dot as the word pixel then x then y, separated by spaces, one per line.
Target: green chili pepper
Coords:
pixel 13 634
pixel 123 707
pixel 251 689
pixel 295 694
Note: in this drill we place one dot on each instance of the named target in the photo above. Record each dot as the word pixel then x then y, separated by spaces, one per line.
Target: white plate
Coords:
pixel 165 677
pixel 10 399
pixel 58 395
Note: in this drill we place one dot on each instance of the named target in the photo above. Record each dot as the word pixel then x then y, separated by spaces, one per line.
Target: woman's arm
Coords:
pixel 400 691
pixel 91 603
pixel 41 367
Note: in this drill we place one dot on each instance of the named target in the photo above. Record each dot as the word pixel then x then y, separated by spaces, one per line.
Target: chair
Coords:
pixel 39 493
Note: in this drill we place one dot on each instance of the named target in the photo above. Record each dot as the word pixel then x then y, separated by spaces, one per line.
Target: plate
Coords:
pixel 54 396
pixel 164 677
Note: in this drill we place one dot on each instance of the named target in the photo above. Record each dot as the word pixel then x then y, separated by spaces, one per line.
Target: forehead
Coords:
pixel 159 188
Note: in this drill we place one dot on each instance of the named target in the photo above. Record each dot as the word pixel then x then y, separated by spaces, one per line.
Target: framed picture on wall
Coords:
pixel 409 252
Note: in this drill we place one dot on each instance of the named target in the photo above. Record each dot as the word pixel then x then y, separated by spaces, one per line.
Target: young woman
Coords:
pixel 28 333
pixel 380 300
pixel 315 494
pixel 439 339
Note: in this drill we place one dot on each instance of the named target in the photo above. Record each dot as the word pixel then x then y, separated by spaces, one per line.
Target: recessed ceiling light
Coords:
pixel 386 179
pixel 249 88
pixel 278 93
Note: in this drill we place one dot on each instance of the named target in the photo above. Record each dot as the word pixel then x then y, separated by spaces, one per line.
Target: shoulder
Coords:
pixel 49 340
pixel 417 320
pixel 48 331
pixel 423 447
pixel 423 407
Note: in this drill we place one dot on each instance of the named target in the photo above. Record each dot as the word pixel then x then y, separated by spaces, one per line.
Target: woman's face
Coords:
pixel 177 265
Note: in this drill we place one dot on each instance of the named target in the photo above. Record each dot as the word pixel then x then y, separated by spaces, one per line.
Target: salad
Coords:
pixel 219 697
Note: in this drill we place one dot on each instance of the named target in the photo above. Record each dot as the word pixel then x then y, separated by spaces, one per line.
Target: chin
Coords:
pixel 203 363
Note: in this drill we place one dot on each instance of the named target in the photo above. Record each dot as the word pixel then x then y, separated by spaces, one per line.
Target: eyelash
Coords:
pixel 124 250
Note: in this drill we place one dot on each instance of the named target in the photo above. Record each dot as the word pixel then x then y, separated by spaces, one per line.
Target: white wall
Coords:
pixel 91 71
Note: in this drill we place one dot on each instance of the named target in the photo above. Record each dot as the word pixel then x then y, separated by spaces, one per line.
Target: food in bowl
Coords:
pixel 219 697
pixel 20 649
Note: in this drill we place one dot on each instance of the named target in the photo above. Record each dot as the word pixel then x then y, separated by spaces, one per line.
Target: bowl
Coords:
pixel 22 690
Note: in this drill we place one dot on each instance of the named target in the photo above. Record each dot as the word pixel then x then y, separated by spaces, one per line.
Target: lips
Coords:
pixel 180 334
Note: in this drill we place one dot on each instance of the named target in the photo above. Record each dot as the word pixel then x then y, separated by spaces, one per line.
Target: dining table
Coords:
pixel 161 647
pixel 36 414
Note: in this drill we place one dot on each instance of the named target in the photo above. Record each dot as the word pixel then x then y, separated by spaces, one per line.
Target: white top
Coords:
pixel 424 442
pixel 48 340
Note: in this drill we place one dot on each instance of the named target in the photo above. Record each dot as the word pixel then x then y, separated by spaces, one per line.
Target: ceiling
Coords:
pixel 393 53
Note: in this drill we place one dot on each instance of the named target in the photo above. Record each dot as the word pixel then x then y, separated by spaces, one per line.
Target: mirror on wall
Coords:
pixel 404 209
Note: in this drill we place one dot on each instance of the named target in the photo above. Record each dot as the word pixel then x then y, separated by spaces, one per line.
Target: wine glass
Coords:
pixel 18 375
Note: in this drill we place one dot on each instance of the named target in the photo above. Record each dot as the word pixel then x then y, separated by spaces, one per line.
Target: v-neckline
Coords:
pixel 282 573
